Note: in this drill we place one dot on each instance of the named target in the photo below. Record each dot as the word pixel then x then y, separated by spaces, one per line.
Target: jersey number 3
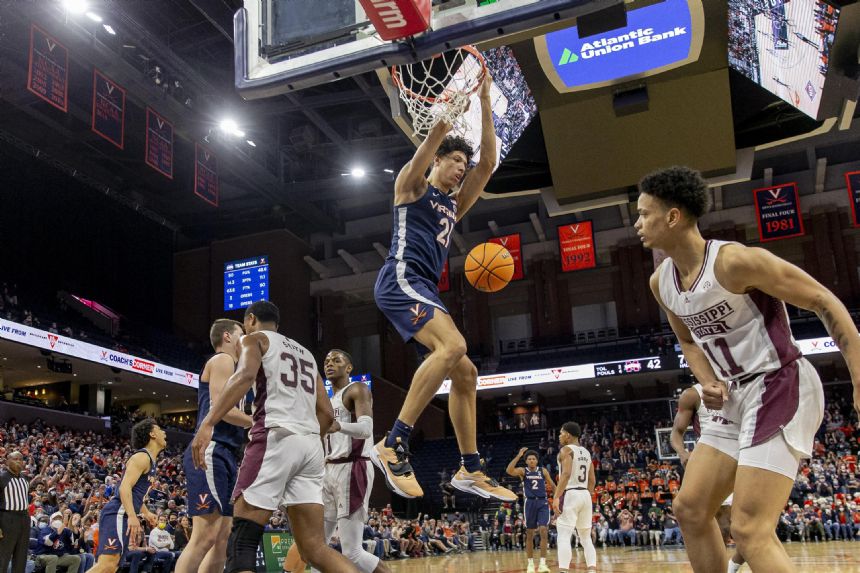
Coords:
pixel 444 236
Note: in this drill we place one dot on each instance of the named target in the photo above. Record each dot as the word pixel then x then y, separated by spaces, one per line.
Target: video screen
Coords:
pixel 784 46
pixel 246 282
pixel 514 106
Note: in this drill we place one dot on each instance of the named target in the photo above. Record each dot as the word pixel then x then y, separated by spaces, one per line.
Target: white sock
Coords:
pixel 542 561
pixel 734 567
pixel 531 562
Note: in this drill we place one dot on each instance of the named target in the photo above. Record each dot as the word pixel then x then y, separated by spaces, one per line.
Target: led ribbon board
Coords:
pixel 657 38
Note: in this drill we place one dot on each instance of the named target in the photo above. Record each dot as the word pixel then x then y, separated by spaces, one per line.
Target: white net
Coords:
pixel 440 89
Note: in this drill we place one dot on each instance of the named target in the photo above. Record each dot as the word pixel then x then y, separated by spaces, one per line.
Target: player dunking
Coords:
pixel 283 463
pixel 725 304
pixel 535 505
pixel 209 491
pixel 712 426
pixel 572 502
pixel 118 521
pixel 425 212
pixel 348 473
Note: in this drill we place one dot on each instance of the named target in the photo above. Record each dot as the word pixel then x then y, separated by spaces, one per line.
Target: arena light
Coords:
pixel 251 143
pixel 389 170
pixel 94 17
pixel 75 6
pixel 358 172
pixel 109 30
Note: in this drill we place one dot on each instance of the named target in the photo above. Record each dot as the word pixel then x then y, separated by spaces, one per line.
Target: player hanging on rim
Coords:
pixel 425 212
pixel 709 425
pixel 209 490
pixel 283 463
pixel 572 502
pixel 535 505
pixel 725 303
pixel 118 520
pixel 348 473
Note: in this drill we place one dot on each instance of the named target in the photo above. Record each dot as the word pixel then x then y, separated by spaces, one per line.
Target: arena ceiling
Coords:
pixel 176 56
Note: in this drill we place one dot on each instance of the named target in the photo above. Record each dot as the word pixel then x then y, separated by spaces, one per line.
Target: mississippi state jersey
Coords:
pixel 224 432
pixel 339 445
pixel 741 334
pixel 534 484
pixel 285 392
pixel 421 234
pixel 712 422
pixel 581 461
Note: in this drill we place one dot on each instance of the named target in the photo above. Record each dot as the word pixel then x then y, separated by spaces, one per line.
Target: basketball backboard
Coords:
pixel 287 45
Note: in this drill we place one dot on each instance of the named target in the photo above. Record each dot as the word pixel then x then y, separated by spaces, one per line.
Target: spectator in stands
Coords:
pixel 671 531
pixel 54 547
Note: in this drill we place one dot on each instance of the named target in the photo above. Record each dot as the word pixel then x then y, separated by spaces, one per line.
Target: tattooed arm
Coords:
pixel 743 269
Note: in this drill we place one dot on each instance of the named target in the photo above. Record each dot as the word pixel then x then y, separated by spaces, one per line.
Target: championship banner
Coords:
pixel 513 245
pixel 852 179
pixel 85 351
pixel 778 210
pixel 48 69
pixel 108 109
pixel 205 175
pixel 445 280
pixel 576 246
pixel 159 143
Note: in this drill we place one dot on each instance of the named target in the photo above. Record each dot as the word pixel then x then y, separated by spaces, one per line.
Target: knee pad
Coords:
pixel 242 547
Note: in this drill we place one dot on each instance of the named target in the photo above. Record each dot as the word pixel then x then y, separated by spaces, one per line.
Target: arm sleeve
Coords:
pixel 362 429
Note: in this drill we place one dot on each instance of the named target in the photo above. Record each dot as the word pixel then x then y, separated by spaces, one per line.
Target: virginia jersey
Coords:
pixel 422 233
pixel 712 422
pixel 224 432
pixel 534 484
pixel 140 487
pixel 741 334
pixel 581 461
pixel 285 390
pixel 339 445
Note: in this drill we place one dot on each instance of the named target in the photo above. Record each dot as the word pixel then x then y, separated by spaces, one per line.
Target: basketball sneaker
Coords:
pixel 395 466
pixel 543 568
pixel 530 568
pixel 479 483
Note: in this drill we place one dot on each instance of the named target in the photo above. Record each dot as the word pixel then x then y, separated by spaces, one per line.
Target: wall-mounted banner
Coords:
pixel 576 246
pixel 659 37
pixel 852 179
pixel 445 280
pixel 159 143
pixel 205 175
pixel 513 245
pixel 108 109
pixel 48 70
pixel 778 210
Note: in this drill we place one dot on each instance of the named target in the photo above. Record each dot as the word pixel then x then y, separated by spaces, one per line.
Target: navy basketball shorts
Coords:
pixel 408 300
pixel 210 489
pixel 536 511
pixel 113 529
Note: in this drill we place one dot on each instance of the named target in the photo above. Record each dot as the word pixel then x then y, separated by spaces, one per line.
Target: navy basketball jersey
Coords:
pixel 534 485
pixel 141 486
pixel 422 233
pixel 224 432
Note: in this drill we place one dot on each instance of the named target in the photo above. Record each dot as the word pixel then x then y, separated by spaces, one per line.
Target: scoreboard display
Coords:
pixel 246 282
pixel 630 366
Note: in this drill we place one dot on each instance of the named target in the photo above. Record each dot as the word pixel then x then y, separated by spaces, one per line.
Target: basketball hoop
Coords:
pixel 439 89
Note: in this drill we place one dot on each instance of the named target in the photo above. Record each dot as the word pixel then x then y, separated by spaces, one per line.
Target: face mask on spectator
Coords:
pixel 57 523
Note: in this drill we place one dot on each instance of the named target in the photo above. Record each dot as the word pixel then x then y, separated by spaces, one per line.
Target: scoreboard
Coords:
pixel 246 282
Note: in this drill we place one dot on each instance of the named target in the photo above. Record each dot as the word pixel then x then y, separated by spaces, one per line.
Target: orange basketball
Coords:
pixel 489 267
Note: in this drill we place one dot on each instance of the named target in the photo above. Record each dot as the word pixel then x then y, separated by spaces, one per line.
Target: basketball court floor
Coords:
pixel 837 557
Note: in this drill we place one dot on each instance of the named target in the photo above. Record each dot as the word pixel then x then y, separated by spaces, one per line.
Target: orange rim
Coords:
pixel 395 76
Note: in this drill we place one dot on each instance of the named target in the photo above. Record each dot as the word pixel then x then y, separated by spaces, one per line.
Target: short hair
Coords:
pixel 219 327
pixel 140 433
pixel 572 428
pixel 265 311
pixel 343 353
pixel 532 453
pixel 454 143
pixel 679 187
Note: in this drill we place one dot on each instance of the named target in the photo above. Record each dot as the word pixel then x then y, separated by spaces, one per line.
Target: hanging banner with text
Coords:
pixel 852 179
pixel 513 244
pixel 445 280
pixel 205 175
pixel 576 246
pixel 48 70
pixel 778 210
pixel 159 143
pixel 108 109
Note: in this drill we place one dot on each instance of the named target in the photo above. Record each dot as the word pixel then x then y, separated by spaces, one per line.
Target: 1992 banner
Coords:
pixel 576 246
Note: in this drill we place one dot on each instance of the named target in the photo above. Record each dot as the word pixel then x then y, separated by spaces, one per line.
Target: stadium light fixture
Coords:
pixel 389 170
pixel 251 143
pixel 358 172
pixel 109 30
pixel 75 6
pixel 94 17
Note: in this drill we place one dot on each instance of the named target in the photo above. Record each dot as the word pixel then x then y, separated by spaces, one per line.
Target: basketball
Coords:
pixel 489 267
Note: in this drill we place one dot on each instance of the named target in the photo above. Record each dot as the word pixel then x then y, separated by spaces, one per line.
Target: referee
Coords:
pixel 14 518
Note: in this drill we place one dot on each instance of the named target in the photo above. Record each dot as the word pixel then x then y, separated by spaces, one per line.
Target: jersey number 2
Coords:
pixel 307 374
pixel 444 236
